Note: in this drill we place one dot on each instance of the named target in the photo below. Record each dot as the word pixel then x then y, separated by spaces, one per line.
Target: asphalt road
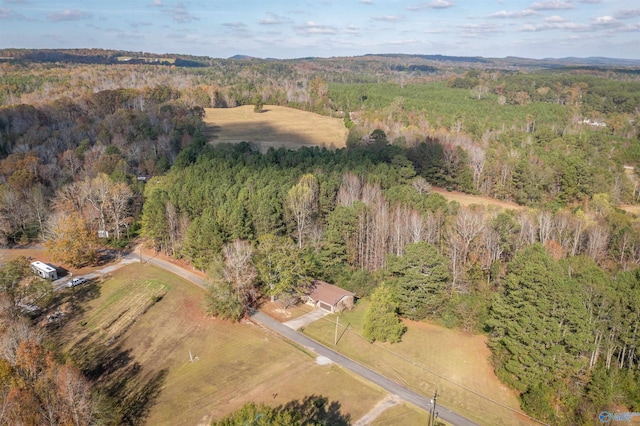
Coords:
pixel 368 374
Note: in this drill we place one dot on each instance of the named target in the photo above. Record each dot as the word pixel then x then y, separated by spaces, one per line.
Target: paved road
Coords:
pixel 389 385
pixel 177 270
pixel 274 325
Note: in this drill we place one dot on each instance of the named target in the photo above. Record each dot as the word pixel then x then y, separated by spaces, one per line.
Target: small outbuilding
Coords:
pixel 44 270
pixel 330 297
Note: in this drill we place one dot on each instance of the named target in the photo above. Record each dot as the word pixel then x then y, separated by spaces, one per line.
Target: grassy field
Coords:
pixel 468 199
pixel 275 127
pixel 461 360
pixel 172 365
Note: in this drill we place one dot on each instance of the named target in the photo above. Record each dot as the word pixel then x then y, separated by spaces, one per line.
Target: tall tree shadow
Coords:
pixel 141 398
pixel 317 410
pixel 120 378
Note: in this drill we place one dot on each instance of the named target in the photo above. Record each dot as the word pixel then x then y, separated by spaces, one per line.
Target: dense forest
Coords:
pixel 119 151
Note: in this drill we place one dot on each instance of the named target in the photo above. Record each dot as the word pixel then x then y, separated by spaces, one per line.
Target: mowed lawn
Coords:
pixel 276 127
pixel 189 368
pixel 429 357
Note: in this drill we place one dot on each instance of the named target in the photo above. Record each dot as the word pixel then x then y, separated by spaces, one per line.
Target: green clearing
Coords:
pixel 443 104
pixel 148 364
pixel 460 359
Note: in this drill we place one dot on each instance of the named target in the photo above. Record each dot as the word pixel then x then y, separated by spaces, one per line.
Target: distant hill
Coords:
pixel 242 57
pixel 400 61
pixel 100 56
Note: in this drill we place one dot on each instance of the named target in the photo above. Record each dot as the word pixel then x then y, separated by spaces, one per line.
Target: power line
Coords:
pixel 422 367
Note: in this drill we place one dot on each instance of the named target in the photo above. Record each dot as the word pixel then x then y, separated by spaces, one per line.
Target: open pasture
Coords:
pixel 174 365
pixel 274 127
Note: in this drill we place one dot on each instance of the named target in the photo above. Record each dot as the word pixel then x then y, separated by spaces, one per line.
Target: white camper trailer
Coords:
pixel 44 270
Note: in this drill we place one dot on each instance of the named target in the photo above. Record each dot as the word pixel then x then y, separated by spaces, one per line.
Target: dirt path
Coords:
pixel 380 407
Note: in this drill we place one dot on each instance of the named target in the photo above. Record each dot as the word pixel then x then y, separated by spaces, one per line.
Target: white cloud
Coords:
pixel 629 28
pixel 478 29
pixel 551 5
pixel 606 22
pixel 557 23
pixel 311 28
pixel 180 14
pixel 177 12
pixel 627 14
pixel 554 18
pixel 236 25
pixel 353 30
pixel 389 18
pixel 441 4
pixel 513 13
pixel 69 15
pixel 274 19
pixel 366 1
pixel 402 42
pixel 6 13
pixel 435 4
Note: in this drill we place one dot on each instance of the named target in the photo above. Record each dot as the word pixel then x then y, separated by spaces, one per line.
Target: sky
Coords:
pixel 293 29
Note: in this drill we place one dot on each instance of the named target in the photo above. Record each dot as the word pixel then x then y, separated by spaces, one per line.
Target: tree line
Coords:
pixel 362 218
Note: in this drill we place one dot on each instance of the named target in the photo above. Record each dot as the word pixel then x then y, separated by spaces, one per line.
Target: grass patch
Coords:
pixel 458 358
pixel 175 365
pixel 124 306
pixel 276 127
pixel 403 414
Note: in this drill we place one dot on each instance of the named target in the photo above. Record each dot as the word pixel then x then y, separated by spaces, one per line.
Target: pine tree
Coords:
pixel 538 329
pixel 420 280
pixel 381 321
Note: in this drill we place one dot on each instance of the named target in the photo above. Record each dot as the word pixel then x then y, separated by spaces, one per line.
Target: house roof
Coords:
pixel 328 293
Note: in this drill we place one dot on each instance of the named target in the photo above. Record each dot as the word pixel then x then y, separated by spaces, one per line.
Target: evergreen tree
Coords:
pixel 154 222
pixel 419 280
pixel 538 330
pixel 381 320
pixel 203 241
pixel 281 268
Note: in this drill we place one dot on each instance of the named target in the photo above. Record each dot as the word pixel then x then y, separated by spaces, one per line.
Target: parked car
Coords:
pixel 77 281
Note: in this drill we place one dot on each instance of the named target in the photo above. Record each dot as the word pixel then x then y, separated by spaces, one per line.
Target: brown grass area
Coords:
pixel 430 357
pixel 276 127
pixel 403 414
pixel 468 199
pixel 630 208
pixel 232 363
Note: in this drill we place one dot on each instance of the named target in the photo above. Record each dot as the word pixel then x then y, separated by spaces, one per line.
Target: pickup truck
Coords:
pixel 77 281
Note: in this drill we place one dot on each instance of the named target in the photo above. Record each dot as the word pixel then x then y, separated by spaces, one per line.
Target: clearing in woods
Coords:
pixel 144 337
pixel 276 126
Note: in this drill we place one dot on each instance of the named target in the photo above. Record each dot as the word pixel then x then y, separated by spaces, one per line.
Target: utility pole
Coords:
pixel 433 414
pixel 335 339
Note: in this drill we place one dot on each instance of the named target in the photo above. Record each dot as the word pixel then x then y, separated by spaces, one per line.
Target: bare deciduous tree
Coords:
pixel 350 190
pixel 596 244
pixel 545 226
pixel 239 269
pixel 302 202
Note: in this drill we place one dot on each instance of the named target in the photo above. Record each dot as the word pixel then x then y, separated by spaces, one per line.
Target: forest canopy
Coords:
pixel 108 152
